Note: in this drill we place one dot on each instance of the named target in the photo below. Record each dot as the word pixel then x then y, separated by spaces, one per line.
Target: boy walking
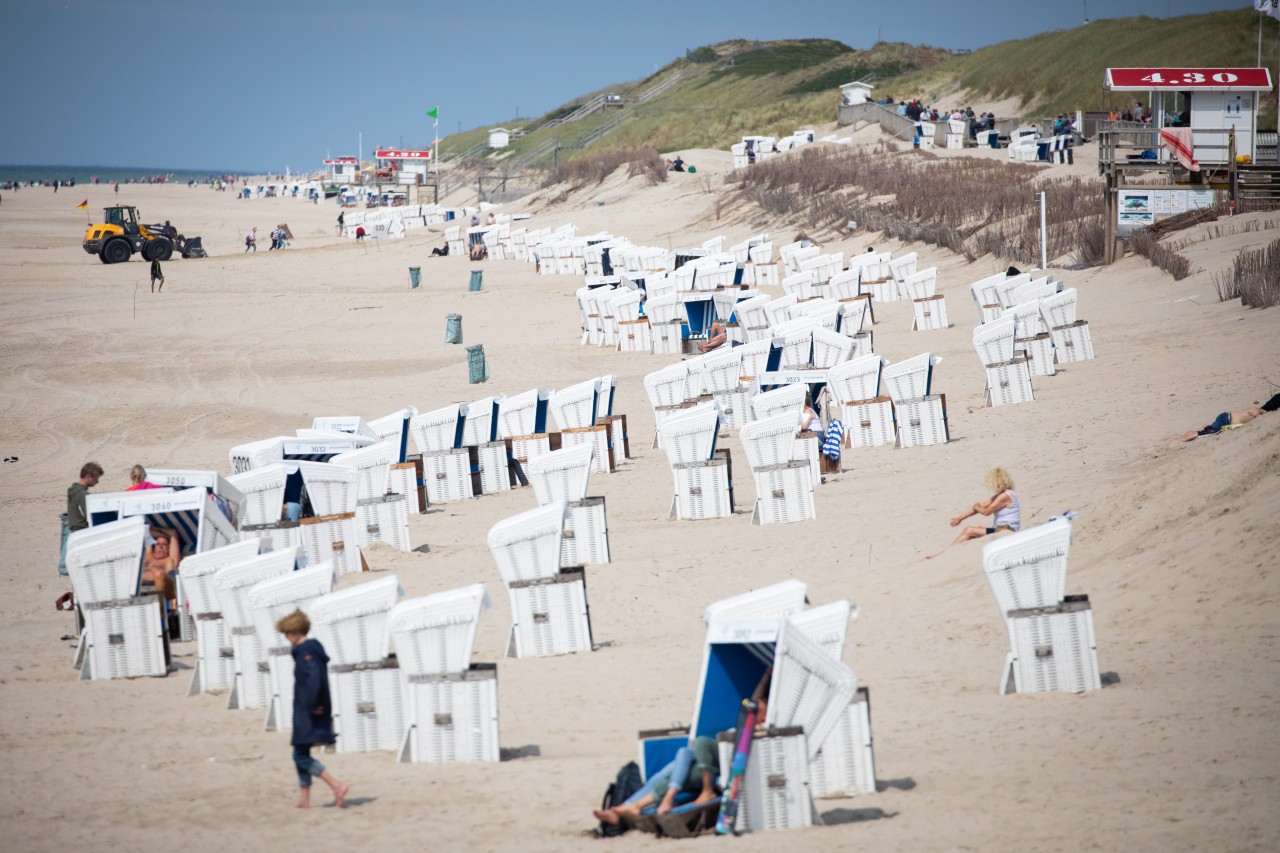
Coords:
pixel 156 275
pixel 312 710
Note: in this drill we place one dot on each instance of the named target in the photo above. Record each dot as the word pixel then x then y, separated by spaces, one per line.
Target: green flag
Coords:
pixel 434 112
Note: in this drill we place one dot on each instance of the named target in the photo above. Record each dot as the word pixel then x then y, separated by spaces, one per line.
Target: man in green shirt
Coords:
pixel 75 518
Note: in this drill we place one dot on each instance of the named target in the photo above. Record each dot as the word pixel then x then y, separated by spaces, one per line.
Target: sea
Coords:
pixel 109 174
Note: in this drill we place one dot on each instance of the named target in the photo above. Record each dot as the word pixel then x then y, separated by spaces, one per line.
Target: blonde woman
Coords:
pixel 138 477
pixel 1002 506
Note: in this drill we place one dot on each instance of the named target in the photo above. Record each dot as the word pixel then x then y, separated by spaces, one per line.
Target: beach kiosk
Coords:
pixel 1200 145
pixel 1206 106
pixel 342 170
pixel 499 137
pixel 857 92
pixel 409 167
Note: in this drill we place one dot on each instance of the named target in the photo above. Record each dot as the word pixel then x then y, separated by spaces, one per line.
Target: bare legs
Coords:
pixel 339 788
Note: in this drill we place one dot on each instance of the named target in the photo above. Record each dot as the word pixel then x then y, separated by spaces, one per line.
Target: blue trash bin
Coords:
pixel 453 329
pixel 415 277
pixel 477 366
pixel 477 280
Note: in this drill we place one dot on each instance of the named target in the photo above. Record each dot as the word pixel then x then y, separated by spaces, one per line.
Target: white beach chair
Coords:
pixel 986 297
pixel 437 430
pixel 788 399
pixel 826 312
pixel 830 348
pixel 867 416
pixel 752 319
pixel 1004 289
pixel 911 378
pixel 561 475
pixel 901 268
pixel 764 270
pixel 690 435
pixel 801 284
pixel 1032 340
pixel 755 358
pixel 332 489
pixel 920 415
pixel 797 341
pixel 527 546
pixel 845 766
pixel 1072 340
pixel 251 688
pixel 215 661
pixel 450 705
pixel 585 537
pixel 269 601
pixel 779 310
pixel 254 454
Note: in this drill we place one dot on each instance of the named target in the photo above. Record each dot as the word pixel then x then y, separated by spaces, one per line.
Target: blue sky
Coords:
pixel 249 86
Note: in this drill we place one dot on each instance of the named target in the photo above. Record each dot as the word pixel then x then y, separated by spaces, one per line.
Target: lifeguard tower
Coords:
pixel 1199 142
pixel 856 92
pixel 401 171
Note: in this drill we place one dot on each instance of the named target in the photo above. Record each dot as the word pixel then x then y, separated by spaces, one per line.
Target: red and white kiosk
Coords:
pixel 1212 102
pixel 342 170
pixel 406 167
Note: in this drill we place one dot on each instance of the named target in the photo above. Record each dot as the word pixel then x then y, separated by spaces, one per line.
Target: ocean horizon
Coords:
pixel 107 174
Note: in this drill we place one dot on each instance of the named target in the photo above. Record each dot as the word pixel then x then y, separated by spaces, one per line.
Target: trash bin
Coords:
pixel 415 277
pixel 477 366
pixel 477 280
pixel 66 531
pixel 453 329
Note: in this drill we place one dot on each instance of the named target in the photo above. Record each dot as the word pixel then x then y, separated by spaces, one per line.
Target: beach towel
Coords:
pixel 834 438
pixel 1177 141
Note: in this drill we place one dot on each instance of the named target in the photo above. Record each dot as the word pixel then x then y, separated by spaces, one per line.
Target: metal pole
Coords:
pixel 1044 237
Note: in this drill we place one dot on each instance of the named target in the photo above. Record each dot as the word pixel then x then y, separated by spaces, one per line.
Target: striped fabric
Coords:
pixel 834 438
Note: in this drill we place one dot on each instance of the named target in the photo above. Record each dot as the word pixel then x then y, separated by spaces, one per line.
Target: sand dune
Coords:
pixel 1175 545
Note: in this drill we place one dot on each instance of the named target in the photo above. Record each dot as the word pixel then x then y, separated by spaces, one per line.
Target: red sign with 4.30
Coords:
pixel 1142 79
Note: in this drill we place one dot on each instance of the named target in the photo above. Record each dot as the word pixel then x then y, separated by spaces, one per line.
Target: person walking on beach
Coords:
pixel 156 275
pixel 341 219
pixel 1002 506
pixel 312 709
pixel 251 240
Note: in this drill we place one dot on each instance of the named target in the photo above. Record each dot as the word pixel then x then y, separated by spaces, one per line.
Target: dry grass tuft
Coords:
pixel 1254 277
pixel 582 171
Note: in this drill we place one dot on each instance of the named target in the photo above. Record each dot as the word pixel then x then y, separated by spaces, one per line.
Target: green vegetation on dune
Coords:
pixel 741 87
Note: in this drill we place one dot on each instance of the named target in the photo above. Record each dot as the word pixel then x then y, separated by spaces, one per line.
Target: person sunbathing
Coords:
pixel 1002 506
pixel 162 560
pixel 695 768
pixel 1230 420
pixel 716 337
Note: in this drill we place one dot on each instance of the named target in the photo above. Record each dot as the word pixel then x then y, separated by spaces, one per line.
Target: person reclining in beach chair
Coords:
pixel 161 562
pixel 1230 420
pixel 695 768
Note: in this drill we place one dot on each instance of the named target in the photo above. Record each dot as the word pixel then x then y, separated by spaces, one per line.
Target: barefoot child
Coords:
pixel 312 712
pixel 1002 506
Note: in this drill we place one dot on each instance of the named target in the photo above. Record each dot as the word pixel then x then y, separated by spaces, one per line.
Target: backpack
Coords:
pixel 628 782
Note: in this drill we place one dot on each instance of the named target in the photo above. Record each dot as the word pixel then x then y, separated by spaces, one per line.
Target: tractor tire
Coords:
pixel 116 251
pixel 161 249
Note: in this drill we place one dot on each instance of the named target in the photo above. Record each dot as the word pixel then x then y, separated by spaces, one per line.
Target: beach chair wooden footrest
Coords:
pixel 451 718
pixel 703 489
pixel 127 638
pixel 1054 648
pixel 1009 383
pixel 784 493
pixel 585 539
pixel 1072 342
pixel 368 707
pixel 922 420
pixel 550 615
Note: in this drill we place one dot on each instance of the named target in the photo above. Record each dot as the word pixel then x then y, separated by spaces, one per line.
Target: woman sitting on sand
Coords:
pixel 1230 420
pixel 1002 506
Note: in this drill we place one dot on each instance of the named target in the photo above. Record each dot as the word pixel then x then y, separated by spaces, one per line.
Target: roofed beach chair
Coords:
pixel 722 378
pixel 1032 339
pixel 667 391
pixel 867 416
pixel 561 475
pixel 877 278
pixel 215 660
pixel 332 489
pixel 787 399
pixel 901 267
pixel 779 310
pixel 1072 340
pixel 665 322
pixel 548 604
pixel 270 601
pixel 824 266
pixel 446 463
pixel 480 430
pixel 826 312
pixel 986 298
pixel 381 514
pixel 124 633
pixel 784 479
pixel 929 308
pixel 264 491
pixel 450 704
pixel 368 707
pixel 633 330
pixel 255 454
pixel 801 284
pixel 752 319
pixel 702 475
pixel 523 419
pixel 394 427
pixel 574 409
pixel 1004 289
pixel 797 341
pixel 764 269
pixel 830 348
pixel 231 583
pixel 1051 636
pixel 921 415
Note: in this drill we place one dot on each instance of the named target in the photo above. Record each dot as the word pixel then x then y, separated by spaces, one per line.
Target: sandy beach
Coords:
pixel 1174 544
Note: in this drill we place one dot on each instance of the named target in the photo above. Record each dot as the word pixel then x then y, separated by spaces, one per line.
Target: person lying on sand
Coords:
pixel 1230 420
pixel 1002 506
